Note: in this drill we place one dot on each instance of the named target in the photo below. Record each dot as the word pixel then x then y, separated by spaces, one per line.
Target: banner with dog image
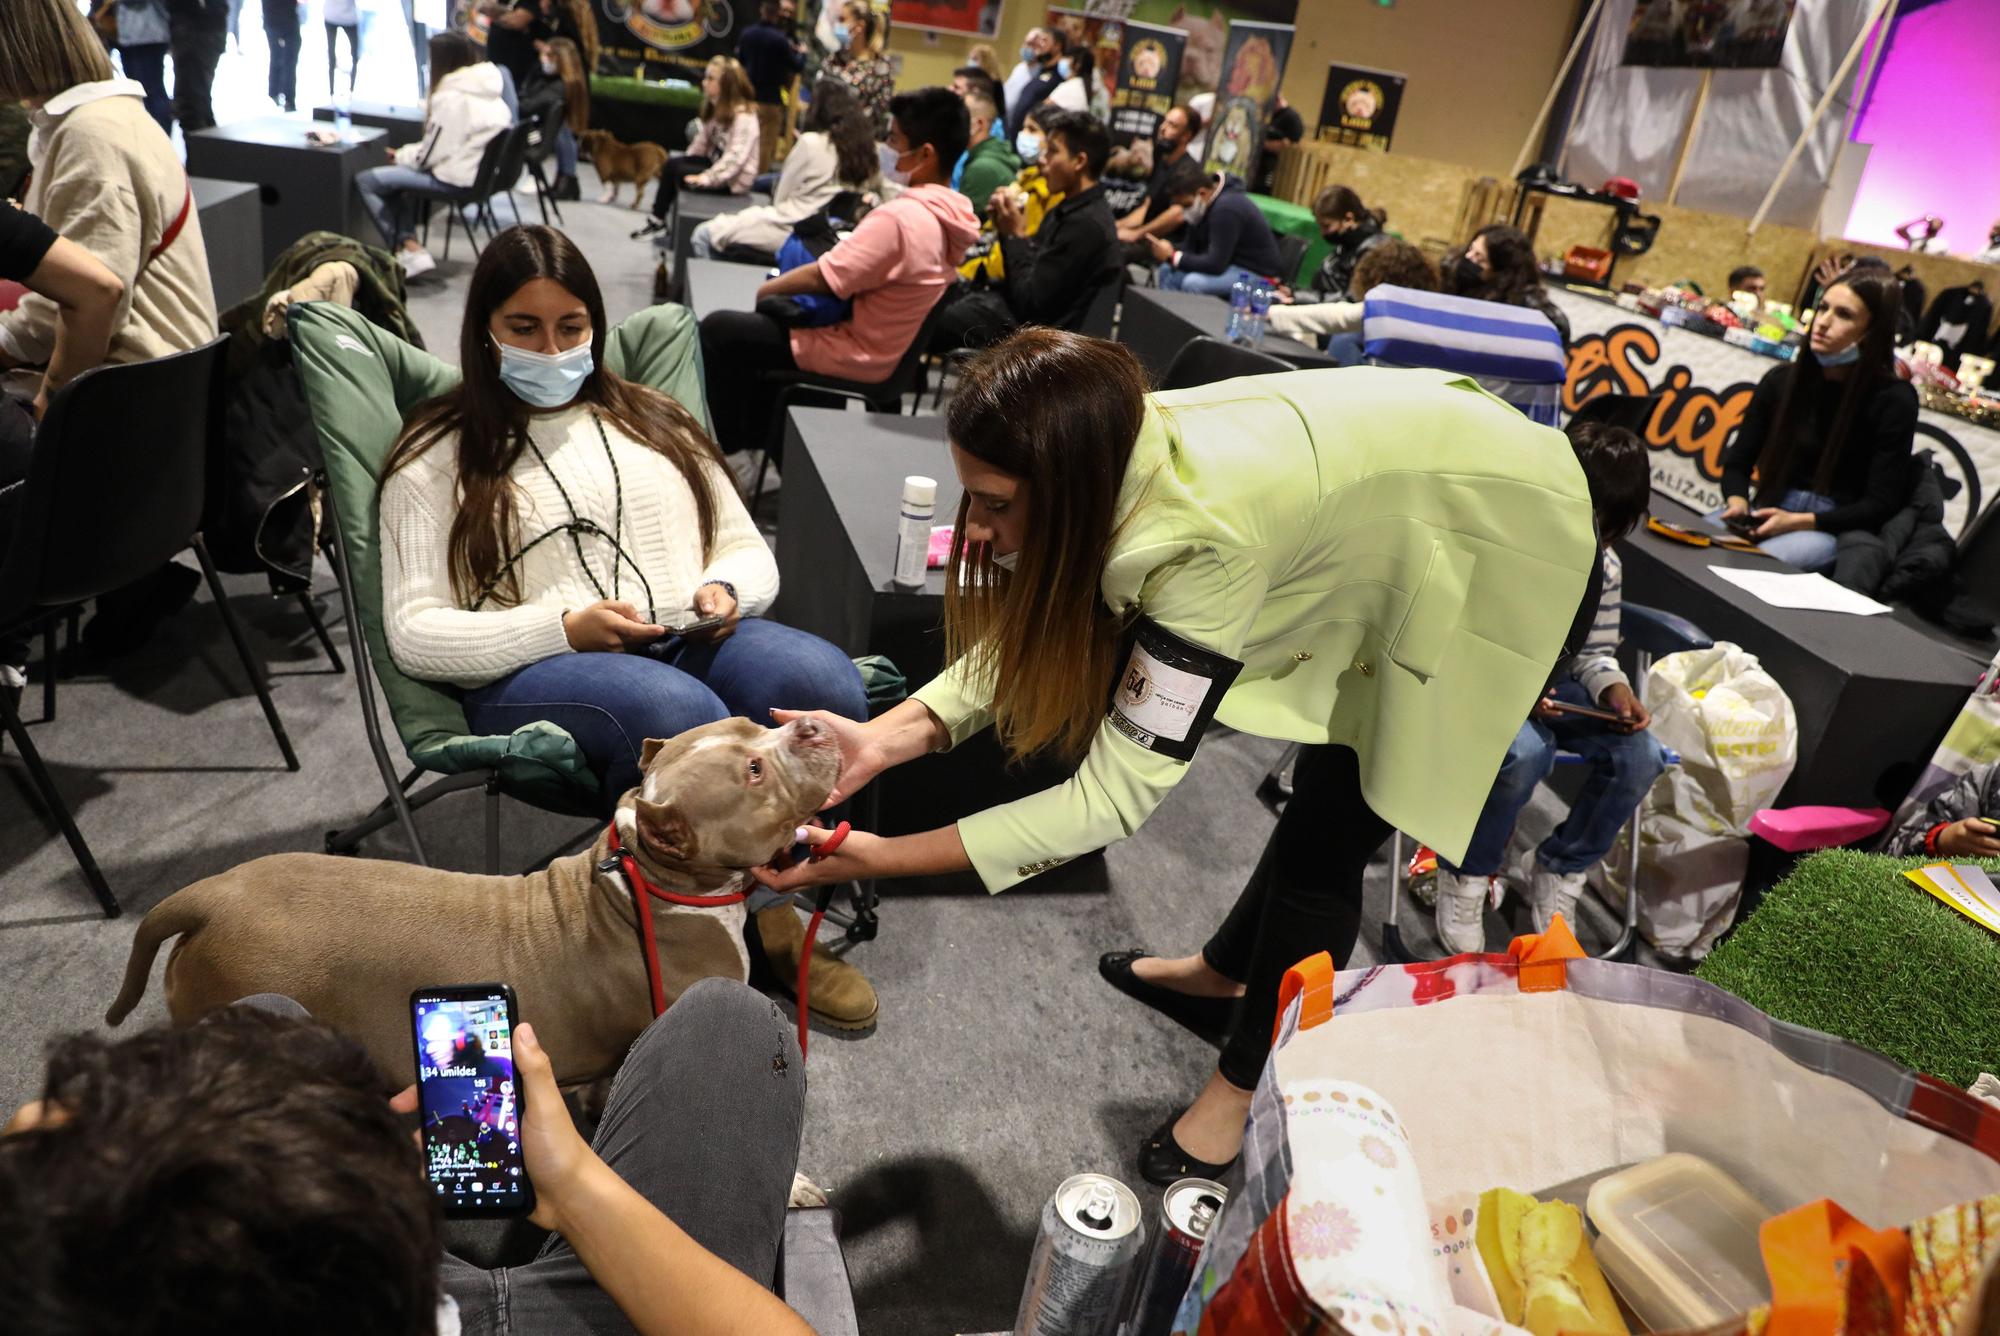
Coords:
pixel 1360 107
pixel 1103 33
pixel 1206 25
pixel 668 39
pixel 1253 65
pixel 1149 71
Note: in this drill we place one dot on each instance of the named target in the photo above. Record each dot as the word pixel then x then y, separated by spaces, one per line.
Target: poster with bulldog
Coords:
pixel 1253 65
pixel 1360 107
pixel 1149 71
pixel 668 39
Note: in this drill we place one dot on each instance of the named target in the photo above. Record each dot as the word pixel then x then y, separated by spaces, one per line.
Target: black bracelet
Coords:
pixel 726 588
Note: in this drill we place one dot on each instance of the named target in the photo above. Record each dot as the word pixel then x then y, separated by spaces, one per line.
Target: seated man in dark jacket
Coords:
pixel 1227 241
pixel 1049 278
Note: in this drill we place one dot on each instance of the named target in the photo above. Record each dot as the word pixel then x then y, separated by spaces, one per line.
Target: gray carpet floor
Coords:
pixel 1001 1065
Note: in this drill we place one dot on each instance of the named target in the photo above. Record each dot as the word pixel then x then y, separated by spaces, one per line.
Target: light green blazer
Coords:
pixel 1395 557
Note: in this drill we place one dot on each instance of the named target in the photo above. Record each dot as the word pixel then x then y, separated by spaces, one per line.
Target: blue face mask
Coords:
pixel 842 35
pixel 1847 356
pixel 1062 69
pixel 1029 145
pixel 1027 53
pixel 546 380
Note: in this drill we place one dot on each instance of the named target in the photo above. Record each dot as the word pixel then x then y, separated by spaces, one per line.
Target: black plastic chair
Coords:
pixel 1291 254
pixel 1101 316
pixel 113 493
pixel 1979 553
pixel 1204 361
pixel 500 166
pixel 884 397
pixel 541 144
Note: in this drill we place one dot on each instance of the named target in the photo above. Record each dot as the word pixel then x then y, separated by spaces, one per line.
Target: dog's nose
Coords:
pixel 808 727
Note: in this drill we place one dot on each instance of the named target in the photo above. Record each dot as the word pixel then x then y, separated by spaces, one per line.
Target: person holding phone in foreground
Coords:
pixel 1591 710
pixel 1381 564
pixel 1961 822
pixel 246 1174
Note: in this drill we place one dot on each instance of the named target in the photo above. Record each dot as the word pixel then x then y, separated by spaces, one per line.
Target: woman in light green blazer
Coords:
pixel 1382 564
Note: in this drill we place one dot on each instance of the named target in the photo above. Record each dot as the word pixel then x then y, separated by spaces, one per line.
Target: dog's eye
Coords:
pixel 756 770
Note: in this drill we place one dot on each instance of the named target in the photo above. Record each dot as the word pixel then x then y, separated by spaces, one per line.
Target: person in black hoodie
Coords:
pixel 1352 229
pixel 1958 320
pixel 1829 435
pixel 1051 277
pixel 1227 241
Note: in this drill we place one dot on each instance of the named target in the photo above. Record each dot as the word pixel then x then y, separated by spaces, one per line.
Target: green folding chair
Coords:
pixel 359 382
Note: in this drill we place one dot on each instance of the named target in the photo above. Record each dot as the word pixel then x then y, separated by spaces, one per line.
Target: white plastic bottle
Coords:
pixel 913 530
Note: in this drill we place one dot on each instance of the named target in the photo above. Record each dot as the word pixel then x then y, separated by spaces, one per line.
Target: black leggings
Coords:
pixel 353 32
pixel 681 164
pixel 1304 897
pixel 737 347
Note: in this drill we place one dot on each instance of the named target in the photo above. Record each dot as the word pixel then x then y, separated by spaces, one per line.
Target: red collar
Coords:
pixel 621 860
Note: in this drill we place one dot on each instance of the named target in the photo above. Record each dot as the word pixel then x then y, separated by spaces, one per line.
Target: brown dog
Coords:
pixel 619 163
pixel 350 939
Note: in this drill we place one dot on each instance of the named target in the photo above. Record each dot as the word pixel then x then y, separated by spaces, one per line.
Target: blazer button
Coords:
pixel 1365 668
pixel 1302 656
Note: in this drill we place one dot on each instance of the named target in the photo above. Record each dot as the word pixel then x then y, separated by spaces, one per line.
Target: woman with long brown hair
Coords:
pixel 721 158
pixel 1829 436
pixel 1382 564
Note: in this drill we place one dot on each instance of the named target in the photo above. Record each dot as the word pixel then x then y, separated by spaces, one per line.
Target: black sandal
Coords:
pixel 1208 1017
pixel 1163 1162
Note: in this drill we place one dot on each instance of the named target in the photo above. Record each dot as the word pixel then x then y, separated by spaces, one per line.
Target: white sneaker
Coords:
pixel 1461 911
pixel 415 262
pixel 1552 893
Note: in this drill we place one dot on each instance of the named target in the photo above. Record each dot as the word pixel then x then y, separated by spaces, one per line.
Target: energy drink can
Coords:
pixel 1187 1213
pixel 1077 1279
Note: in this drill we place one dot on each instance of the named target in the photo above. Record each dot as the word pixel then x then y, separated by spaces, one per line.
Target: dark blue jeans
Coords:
pixel 611 703
pixel 1622 767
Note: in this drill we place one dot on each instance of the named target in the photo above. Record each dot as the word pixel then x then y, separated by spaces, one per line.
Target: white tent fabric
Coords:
pixel 1631 121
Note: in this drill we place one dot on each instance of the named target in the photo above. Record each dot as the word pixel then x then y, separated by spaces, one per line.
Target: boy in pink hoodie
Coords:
pixel 894 267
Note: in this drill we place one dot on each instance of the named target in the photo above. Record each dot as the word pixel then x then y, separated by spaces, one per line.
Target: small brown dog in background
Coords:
pixel 618 163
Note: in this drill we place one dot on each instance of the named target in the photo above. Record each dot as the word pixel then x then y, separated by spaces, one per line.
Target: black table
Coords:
pixel 691 210
pixel 844 476
pixel 719 285
pixel 232 232
pixel 1156 324
pixel 1873 695
pixel 304 188
pixel 402 123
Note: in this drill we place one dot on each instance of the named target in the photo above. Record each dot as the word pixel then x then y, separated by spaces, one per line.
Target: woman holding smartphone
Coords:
pixel 547 525
pixel 1828 435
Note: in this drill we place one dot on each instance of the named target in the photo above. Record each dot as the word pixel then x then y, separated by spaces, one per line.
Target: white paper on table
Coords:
pixel 1812 593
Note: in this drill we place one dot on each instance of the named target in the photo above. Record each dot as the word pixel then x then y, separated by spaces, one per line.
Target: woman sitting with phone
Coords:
pixel 565 545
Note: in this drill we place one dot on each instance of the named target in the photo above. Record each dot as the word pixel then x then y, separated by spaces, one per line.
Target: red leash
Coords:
pixel 621 860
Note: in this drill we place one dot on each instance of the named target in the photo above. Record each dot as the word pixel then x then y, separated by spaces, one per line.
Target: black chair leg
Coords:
pixel 45 788
pixel 319 629
pixel 49 671
pixel 251 664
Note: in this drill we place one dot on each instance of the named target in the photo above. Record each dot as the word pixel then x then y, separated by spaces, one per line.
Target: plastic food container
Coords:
pixel 1677 1238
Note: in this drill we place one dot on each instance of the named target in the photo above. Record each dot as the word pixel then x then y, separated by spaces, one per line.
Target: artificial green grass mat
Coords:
pixel 627 89
pixel 1848 945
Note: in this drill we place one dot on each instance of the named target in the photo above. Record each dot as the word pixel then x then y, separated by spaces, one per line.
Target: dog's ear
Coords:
pixel 649 750
pixel 664 826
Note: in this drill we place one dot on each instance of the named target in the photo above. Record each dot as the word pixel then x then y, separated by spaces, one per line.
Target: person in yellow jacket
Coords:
pixel 1036 201
pixel 1385 565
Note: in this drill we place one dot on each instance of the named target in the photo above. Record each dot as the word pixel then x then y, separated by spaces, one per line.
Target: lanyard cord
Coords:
pixel 577 527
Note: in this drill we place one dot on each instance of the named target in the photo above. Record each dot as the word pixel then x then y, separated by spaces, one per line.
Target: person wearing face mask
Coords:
pixel 990 162
pixel 1052 277
pixel 1036 197
pixel 861 35
pixel 1074 70
pixel 1158 215
pixel 1315 556
pixel 1227 241
pixel 1498 265
pixel 464 112
pixel 1032 47
pixel 1828 434
pixel 547 523
pixel 893 266
pixel 1047 76
pixel 559 81
pixel 1352 230
pixel 773 58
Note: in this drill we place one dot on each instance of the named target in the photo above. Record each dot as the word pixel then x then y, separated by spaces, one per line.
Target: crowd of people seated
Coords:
pixel 562 545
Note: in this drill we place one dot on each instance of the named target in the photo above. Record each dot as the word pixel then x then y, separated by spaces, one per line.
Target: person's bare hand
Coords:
pixel 609 626
pixel 1620 700
pixel 687 182
pixel 712 600
pixel 1283 294
pixel 861 756
pixel 1163 250
pixel 1736 505
pixel 1782 521
pixel 1973 837
pixel 558 1160
pixel 1543 710
pixel 1006 214
pixel 853 861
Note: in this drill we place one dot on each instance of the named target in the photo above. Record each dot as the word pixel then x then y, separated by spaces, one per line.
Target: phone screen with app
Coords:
pixel 468 1100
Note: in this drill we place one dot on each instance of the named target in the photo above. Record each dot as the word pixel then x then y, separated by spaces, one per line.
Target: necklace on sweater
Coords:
pixel 577 528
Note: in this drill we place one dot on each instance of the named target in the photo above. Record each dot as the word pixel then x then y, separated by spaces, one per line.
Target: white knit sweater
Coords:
pixel 433 637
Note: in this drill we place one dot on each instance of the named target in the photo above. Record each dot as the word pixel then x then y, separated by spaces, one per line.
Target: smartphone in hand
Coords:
pixel 696 624
pixel 1585 711
pixel 469 1100
pixel 1743 526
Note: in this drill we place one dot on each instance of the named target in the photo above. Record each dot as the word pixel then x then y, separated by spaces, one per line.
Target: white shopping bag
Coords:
pixel 1738 740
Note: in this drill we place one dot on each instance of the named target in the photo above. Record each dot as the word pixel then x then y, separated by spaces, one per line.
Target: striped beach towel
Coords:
pixel 1513 351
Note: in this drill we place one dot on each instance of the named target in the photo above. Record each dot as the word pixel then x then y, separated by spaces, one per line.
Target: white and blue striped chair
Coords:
pixel 1513 351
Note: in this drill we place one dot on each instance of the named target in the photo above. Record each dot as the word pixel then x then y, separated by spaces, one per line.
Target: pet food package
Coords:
pixel 1542 1071
pixel 1738 740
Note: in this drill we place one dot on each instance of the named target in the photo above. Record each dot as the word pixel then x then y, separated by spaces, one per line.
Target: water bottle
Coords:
pixel 342 122
pixel 913 531
pixel 1260 311
pixel 1239 310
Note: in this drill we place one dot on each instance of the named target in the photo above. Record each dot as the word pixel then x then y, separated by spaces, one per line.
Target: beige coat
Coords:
pixel 107 179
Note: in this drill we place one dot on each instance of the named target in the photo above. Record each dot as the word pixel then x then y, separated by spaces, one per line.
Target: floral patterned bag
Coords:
pixel 1395 1095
